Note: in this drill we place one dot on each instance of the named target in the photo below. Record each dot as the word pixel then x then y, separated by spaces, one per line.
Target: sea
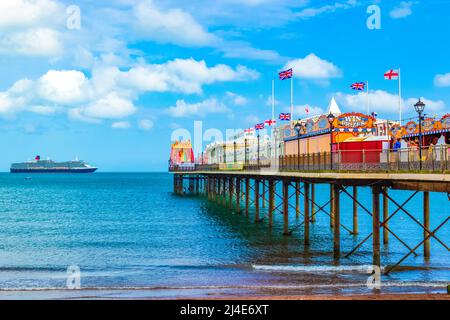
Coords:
pixel 128 236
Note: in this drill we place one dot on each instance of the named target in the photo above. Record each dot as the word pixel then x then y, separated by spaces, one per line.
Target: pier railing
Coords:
pixel 431 159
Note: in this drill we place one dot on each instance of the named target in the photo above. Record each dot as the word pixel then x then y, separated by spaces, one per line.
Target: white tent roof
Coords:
pixel 333 107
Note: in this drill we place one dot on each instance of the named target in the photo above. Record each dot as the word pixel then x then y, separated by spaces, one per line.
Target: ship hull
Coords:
pixel 81 170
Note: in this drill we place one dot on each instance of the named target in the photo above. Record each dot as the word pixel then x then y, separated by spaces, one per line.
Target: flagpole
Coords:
pixel 292 97
pixel 367 93
pixel 273 99
pixel 400 96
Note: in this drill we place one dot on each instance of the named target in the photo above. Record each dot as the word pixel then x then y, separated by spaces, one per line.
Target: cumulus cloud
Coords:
pixel 172 26
pixel 313 67
pixel 236 99
pixel 35 42
pixel 145 124
pixel 442 80
pixel 183 75
pixel 110 92
pixel 300 111
pixel 120 125
pixel 382 101
pixel 312 12
pixel 29 27
pixel 403 10
pixel 199 109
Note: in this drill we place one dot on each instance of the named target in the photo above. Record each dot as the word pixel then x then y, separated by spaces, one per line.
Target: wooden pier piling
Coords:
pixel 271 201
pixel 247 196
pixel 376 225
pixel 336 220
pixel 286 208
pixel 355 210
pixel 306 213
pixel 313 201
pixel 385 217
pixel 426 223
pixel 256 200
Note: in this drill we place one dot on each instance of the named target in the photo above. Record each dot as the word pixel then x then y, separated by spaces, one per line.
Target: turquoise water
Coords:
pixel 132 237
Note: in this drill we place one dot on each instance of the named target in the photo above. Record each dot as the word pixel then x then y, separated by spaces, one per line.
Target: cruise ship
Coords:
pixel 49 166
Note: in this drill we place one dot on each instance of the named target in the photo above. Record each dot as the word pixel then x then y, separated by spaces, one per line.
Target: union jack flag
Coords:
pixel 284 116
pixel 286 74
pixel 360 86
pixel 259 126
pixel 270 122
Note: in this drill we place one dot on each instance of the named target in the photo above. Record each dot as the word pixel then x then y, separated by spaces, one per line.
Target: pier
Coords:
pixel 254 187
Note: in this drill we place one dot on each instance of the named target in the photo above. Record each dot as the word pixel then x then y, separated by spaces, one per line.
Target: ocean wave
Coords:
pixel 313 269
pixel 411 284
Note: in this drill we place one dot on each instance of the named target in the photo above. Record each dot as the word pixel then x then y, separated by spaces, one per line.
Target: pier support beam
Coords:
pixel 355 210
pixel 257 200
pixel 247 195
pixel 306 213
pixel 263 194
pixel 219 190
pixel 238 195
pixel 224 191
pixel 385 216
pixel 230 191
pixel 337 221
pixel 331 206
pixel 426 223
pixel 376 225
pixel 313 201
pixel 271 201
pixel 286 208
pixel 297 199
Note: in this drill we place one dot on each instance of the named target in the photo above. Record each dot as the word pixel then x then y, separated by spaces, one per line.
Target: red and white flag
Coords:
pixel 249 130
pixel 391 74
pixel 307 109
pixel 270 122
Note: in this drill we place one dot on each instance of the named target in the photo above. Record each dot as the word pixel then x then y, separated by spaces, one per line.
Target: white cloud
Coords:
pixel 33 42
pixel 112 106
pixel 312 12
pixel 29 13
pixel 110 92
pixel 63 87
pixel 403 10
pixel 237 99
pixel 121 125
pixel 183 75
pixel 382 101
pixel 145 124
pixel 313 67
pixel 199 109
pixel 172 26
pixel 442 80
pixel 300 111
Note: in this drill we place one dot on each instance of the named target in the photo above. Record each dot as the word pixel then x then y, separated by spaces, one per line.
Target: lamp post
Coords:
pixel 234 150
pixel 245 151
pixel 225 152
pixel 331 118
pixel 298 128
pixel 420 107
pixel 258 149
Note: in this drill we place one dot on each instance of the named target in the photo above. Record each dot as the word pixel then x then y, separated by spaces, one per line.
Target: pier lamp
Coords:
pixel 245 151
pixel 234 150
pixel 298 127
pixel 225 152
pixel 258 149
pixel 420 107
pixel 330 119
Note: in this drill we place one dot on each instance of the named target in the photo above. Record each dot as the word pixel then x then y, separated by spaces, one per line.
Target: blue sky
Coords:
pixel 113 90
